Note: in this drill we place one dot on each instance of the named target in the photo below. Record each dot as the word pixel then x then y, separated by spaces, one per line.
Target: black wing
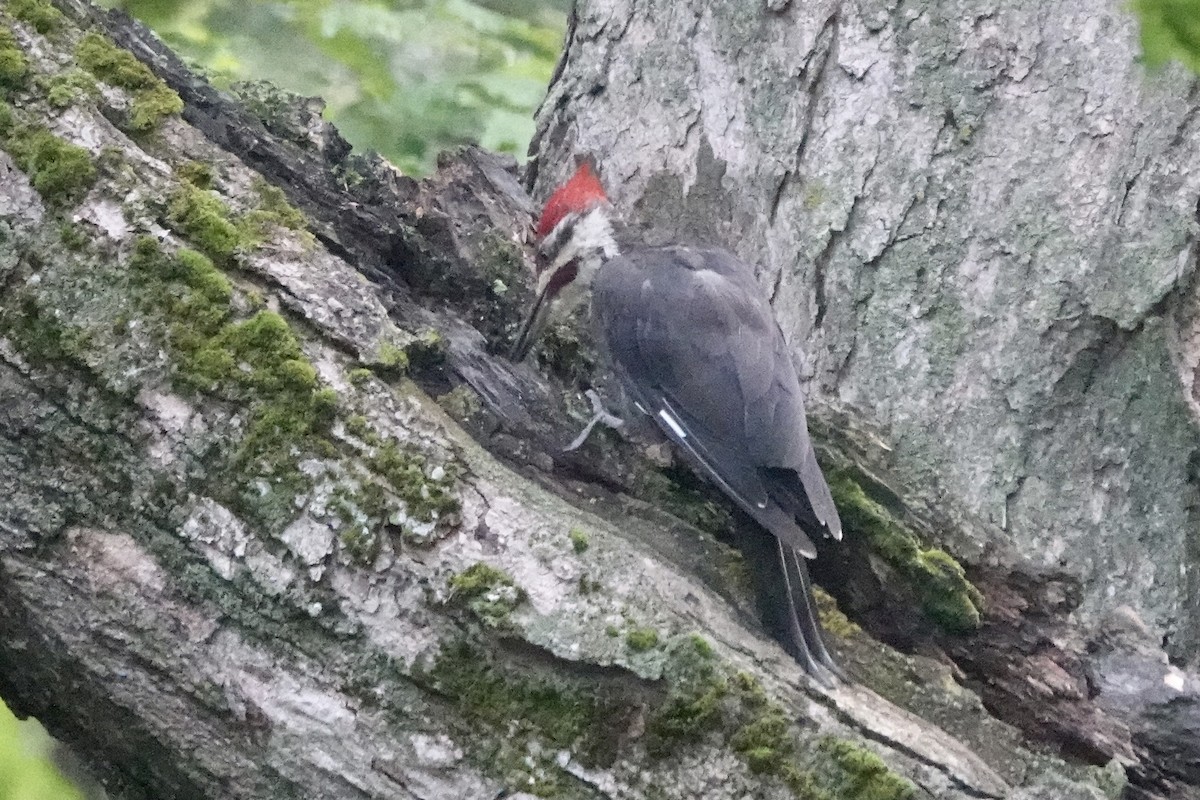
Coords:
pixel 693 338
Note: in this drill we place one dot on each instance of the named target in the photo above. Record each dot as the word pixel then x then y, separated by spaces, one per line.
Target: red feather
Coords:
pixel 582 192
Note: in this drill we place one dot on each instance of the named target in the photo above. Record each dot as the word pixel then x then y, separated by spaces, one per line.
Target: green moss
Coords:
pixel 274 207
pixel 639 640
pixel 13 67
pixel 1110 779
pixel 72 235
pixel 254 299
pixel 391 359
pixel 579 540
pixel 40 336
pixel 357 425
pixel 8 119
pixel 39 14
pixel 151 106
pixel 832 618
pixel 203 219
pixel 764 742
pixel 803 784
pixel 428 496
pixel 693 706
pixel 360 543
pixel 735 571
pixel 705 699
pixel 762 734
pixel 197 173
pixel 70 88
pixel 520 705
pixel 864 775
pixel 939 582
pixel 361 510
pixel 426 351
pixel 256 363
pixel 152 99
pixel 701 646
pixel 461 402
pixel 478 579
pixel 200 216
pixel 360 376
pixel 60 171
pixel 257 355
pixel 488 592
pixel 529 709
pixel 948 597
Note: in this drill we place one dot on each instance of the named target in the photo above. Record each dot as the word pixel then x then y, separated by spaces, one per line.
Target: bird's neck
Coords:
pixel 595 236
pixel 589 241
pixel 593 242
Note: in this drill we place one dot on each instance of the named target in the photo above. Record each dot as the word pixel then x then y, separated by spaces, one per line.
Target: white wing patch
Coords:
pixel 672 423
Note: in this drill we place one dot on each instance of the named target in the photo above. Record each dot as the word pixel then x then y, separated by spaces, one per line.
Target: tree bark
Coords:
pixel 279 521
pixel 978 221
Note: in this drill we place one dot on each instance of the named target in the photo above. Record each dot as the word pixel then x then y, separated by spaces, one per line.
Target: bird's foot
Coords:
pixel 600 415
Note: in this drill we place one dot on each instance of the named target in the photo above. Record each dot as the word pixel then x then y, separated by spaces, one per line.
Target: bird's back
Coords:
pixel 692 336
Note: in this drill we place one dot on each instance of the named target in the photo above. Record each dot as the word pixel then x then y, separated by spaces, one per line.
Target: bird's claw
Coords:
pixel 600 414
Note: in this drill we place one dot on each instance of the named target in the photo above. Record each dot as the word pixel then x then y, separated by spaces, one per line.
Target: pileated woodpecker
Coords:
pixel 693 341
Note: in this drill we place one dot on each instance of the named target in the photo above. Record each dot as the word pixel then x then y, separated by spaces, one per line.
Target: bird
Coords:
pixel 695 346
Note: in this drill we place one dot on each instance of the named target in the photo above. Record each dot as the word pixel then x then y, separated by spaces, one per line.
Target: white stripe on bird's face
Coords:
pixel 584 238
pixel 581 243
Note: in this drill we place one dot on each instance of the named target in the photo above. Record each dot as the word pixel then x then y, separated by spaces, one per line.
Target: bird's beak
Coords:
pixel 532 327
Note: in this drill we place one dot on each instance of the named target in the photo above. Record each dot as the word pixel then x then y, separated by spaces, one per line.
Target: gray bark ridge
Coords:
pixel 978 221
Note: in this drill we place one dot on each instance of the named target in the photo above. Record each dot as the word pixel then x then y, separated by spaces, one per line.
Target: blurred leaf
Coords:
pixel 505 131
pixel 407 77
pixel 25 769
pixel 1170 31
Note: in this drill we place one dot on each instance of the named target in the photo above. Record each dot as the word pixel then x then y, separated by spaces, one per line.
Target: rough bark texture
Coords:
pixel 251 545
pixel 978 221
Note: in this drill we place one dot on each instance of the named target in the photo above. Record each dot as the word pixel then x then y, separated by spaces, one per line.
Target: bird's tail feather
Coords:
pixel 785 600
pixel 806 642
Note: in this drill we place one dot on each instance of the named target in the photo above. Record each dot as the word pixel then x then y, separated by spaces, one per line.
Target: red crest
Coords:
pixel 582 192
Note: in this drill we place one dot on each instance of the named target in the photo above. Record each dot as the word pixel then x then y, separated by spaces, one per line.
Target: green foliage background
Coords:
pixel 1170 31
pixel 405 77
pixel 25 769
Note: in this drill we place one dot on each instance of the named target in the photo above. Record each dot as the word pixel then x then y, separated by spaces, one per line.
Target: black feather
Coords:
pixel 692 337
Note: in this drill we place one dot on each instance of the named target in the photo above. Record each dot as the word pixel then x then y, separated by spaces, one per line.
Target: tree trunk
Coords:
pixel 273 529
pixel 978 221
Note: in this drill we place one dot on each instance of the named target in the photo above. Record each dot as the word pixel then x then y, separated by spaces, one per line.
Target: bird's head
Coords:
pixel 574 238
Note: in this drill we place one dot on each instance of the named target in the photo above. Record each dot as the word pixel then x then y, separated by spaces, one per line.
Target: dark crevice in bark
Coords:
pixel 836 237
pixel 824 46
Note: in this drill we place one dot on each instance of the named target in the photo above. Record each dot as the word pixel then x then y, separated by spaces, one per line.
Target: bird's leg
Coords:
pixel 600 414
